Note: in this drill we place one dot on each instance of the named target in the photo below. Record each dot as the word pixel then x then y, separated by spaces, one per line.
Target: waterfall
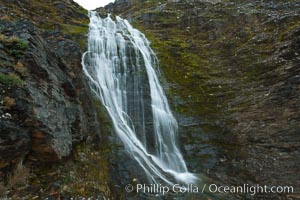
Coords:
pixel 121 66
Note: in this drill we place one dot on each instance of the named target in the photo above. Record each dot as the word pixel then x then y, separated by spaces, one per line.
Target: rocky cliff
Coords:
pixel 48 115
pixel 231 72
pixel 233 76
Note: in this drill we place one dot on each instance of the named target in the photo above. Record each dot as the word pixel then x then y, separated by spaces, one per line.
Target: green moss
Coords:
pixel 288 29
pixel 10 79
pixel 14 45
pixel 89 174
pixel 85 175
pixel 46 15
pixel 209 66
pixel 74 29
pixel 77 32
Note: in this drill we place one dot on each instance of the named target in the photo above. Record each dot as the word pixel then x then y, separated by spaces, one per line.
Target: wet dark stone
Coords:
pixel 53 112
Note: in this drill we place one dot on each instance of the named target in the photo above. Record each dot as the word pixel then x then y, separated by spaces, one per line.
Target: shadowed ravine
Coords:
pixel 118 63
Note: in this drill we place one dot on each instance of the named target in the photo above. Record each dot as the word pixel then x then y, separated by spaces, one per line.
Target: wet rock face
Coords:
pixel 55 108
pixel 15 142
pixel 49 119
pixel 34 112
pixel 46 105
pixel 232 69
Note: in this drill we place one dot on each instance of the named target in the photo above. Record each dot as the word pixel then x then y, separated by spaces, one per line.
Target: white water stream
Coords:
pixel 118 53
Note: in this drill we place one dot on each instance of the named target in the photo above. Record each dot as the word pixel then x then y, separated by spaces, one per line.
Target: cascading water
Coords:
pixel 118 55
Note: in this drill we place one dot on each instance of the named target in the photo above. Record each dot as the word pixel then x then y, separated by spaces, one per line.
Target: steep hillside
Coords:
pixel 50 123
pixel 233 76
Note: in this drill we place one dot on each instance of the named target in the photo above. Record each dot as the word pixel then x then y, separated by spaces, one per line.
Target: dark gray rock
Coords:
pixel 53 111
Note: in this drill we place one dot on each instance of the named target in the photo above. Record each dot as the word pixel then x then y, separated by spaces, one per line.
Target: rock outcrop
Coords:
pixel 46 106
pixel 232 69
